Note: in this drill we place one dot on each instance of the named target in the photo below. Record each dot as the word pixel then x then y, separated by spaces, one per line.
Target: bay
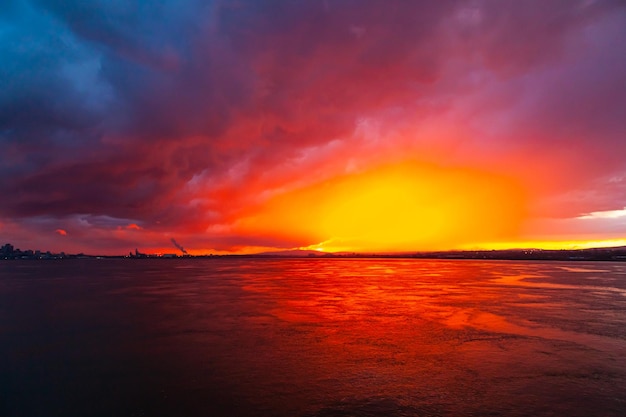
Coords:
pixel 312 337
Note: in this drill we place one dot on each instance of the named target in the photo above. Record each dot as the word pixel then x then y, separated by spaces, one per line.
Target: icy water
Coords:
pixel 312 338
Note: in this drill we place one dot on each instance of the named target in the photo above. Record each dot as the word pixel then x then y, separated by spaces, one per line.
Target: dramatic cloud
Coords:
pixel 128 123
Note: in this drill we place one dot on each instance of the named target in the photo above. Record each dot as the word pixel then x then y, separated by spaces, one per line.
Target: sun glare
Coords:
pixel 407 206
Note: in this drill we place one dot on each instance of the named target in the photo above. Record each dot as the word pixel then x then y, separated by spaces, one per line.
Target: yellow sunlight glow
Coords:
pixel 551 245
pixel 402 207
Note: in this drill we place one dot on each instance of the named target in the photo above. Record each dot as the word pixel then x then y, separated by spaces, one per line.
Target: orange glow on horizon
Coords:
pixel 401 207
pixel 548 244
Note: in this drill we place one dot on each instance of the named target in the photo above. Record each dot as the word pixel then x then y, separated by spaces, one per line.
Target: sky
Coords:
pixel 245 126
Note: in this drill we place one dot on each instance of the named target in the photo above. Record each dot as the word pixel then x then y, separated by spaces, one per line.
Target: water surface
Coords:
pixel 312 337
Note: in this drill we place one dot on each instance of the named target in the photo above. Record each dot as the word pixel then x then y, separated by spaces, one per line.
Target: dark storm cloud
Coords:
pixel 122 79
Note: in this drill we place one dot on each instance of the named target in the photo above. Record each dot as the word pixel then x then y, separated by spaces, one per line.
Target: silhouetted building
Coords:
pixel 7 250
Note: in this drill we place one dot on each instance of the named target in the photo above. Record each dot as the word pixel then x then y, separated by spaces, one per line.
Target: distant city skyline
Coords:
pixel 614 254
pixel 366 126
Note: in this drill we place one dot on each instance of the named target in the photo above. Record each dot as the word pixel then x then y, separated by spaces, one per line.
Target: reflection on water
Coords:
pixel 312 337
